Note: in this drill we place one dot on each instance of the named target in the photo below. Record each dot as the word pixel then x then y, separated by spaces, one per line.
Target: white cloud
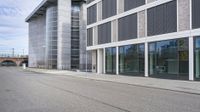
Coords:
pixel 19 44
pixel 13 29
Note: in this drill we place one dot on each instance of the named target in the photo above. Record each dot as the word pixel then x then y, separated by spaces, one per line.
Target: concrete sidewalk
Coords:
pixel 173 85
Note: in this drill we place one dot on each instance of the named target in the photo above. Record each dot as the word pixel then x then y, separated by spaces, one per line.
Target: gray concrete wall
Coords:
pixel 141 24
pixel 99 11
pixel 114 30
pixel 37 30
pixel 183 15
pixel 120 6
pixel 95 35
pixel 100 61
pixel 64 34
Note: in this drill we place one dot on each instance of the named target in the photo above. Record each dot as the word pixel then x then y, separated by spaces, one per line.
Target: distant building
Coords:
pixel 57 35
pixel 152 38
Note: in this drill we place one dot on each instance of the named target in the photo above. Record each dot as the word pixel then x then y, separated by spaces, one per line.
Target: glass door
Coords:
pixel 110 60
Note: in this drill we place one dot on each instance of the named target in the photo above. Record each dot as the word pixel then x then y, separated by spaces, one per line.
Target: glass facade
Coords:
pixel 166 58
pixel 169 59
pixel 51 37
pixel 197 58
pixel 110 58
pixel 75 35
pixel 37 43
pixel 131 59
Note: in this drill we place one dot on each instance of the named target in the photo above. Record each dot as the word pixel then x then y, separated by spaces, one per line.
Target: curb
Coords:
pixel 105 80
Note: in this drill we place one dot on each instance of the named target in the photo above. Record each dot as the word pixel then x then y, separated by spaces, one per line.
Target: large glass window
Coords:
pixel 92 14
pixel 130 4
pixel 104 33
pixel 89 37
pixel 195 14
pixel 127 27
pixel 197 58
pixel 162 19
pixel 169 59
pixel 131 59
pixel 110 60
pixel 109 8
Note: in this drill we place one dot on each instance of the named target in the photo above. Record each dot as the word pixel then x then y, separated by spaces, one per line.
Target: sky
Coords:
pixel 13 28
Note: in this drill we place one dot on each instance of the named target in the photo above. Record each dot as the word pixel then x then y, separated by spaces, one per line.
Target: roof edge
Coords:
pixel 35 10
pixel 42 5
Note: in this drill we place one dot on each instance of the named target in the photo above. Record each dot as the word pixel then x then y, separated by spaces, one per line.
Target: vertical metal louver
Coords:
pixel 109 8
pixel 92 14
pixel 162 19
pixel 130 4
pixel 195 14
pixel 104 33
pixel 89 1
pixel 89 37
pixel 128 27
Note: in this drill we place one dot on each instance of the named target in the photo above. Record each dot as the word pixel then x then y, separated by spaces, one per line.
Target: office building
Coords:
pixel 152 38
pixel 57 35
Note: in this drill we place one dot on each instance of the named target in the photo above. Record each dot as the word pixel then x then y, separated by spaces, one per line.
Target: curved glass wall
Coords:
pixel 197 58
pixel 131 59
pixel 51 37
pixel 110 58
pixel 169 59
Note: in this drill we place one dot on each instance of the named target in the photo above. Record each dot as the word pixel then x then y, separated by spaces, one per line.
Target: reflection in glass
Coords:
pixel 169 59
pixel 131 59
pixel 197 58
pixel 110 60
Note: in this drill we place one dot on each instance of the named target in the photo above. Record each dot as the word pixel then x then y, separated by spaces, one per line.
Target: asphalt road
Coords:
pixel 32 92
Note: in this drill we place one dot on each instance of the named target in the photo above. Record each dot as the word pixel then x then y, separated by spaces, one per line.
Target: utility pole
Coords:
pixel 23 51
pixel 13 52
